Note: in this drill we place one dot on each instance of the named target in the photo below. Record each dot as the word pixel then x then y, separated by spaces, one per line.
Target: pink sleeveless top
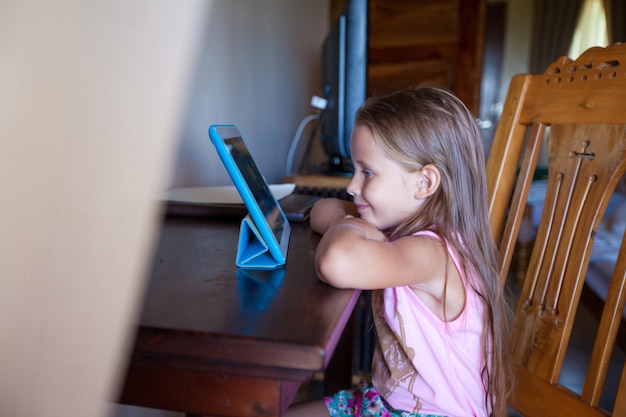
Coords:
pixel 422 364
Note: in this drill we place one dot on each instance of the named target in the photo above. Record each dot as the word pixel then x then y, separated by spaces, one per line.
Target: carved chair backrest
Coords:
pixel 579 108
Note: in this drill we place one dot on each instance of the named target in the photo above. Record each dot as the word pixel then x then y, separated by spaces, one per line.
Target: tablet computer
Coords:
pixel 263 208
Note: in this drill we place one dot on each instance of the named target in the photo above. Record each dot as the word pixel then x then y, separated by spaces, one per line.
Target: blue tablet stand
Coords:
pixel 252 251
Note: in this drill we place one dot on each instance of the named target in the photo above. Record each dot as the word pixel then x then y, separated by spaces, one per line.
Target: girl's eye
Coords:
pixel 367 173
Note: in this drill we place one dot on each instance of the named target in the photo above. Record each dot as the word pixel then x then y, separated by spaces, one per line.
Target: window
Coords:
pixel 591 29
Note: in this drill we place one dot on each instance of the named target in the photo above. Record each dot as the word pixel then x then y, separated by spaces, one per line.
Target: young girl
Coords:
pixel 418 234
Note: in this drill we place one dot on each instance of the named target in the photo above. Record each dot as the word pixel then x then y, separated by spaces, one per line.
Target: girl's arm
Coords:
pixel 355 254
pixel 328 211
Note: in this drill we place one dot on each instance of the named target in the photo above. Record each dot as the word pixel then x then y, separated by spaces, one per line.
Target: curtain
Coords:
pixel 616 19
pixel 554 26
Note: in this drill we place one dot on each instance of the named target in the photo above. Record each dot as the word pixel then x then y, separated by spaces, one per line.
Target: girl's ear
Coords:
pixel 428 182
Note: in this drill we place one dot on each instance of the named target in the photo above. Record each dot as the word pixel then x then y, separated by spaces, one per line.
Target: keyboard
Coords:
pixel 320 185
pixel 325 192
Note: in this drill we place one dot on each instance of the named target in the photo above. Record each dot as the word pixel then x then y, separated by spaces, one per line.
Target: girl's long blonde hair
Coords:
pixel 429 125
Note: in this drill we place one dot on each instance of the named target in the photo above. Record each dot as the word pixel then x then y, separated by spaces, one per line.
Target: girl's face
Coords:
pixel 384 192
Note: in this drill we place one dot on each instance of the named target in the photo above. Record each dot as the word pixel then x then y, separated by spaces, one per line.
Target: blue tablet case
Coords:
pixel 252 251
pixel 257 248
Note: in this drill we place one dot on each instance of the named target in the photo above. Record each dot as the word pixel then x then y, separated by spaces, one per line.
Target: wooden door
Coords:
pixel 415 41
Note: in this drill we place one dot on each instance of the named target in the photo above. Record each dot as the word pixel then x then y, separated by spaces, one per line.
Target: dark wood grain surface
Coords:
pixel 202 317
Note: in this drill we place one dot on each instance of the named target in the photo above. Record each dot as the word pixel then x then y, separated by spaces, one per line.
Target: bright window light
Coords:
pixel 591 29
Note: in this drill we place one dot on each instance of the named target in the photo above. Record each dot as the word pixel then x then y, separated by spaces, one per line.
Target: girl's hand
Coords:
pixel 353 253
pixel 329 211
pixel 366 229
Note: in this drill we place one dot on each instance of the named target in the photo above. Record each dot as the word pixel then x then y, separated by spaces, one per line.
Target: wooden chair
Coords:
pixel 579 108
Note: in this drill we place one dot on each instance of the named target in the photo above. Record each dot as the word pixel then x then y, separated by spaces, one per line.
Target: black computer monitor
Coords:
pixel 344 83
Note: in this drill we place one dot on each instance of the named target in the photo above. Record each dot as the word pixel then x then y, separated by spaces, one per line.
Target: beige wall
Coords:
pixel 91 94
pixel 258 67
pixel 517 42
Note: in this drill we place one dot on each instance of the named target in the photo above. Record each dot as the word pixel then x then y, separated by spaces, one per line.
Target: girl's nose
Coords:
pixel 352 187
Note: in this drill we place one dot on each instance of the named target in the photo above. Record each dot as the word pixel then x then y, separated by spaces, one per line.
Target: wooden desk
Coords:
pixel 212 340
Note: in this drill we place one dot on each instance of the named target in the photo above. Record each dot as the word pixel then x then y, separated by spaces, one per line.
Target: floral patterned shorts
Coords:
pixel 364 401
